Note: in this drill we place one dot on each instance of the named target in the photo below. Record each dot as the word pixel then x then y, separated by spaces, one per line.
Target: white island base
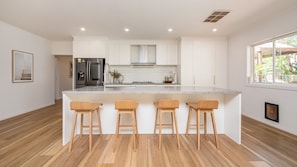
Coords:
pixel 228 115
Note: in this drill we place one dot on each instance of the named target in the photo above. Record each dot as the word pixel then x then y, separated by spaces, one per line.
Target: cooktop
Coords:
pixel 142 82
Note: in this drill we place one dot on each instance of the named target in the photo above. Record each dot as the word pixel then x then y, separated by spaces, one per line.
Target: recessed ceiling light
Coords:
pixel 214 30
pixel 170 29
pixel 126 29
pixel 82 29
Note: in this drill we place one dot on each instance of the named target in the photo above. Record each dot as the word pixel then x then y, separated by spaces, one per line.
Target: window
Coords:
pixel 275 61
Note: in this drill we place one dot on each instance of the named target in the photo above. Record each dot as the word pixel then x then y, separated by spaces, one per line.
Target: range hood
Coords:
pixel 143 55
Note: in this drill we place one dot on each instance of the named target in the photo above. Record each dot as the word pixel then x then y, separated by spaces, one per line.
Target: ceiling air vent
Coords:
pixel 216 16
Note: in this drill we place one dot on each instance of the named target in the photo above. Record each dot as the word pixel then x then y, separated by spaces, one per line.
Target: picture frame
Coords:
pixel 271 112
pixel 22 66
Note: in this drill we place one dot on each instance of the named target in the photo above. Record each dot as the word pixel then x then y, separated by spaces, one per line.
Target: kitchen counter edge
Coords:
pixel 172 89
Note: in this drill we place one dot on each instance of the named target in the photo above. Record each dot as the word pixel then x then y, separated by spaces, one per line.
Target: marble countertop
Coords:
pixel 172 89
pixel 140 84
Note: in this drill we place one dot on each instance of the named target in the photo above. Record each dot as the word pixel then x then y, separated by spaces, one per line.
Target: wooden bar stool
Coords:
pixel 85 108
pixel 127 107
pixel 166 106
pixel 204 106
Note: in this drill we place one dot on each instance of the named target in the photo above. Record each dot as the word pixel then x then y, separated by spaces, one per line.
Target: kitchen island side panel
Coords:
pixel 233 116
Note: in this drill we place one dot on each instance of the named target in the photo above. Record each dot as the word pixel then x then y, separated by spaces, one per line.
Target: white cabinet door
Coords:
pixel 204 62
pixel 88 47
pixel 81 49
pixel 186 71
pixel 161 54
pixel 114 54
pixel 97 48
pixel 172 54
pixel 124 55
pixel 119 53
pixel 221 51
pixel 167 54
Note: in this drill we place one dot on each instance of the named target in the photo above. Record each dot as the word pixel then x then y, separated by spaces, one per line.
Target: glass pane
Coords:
pixel 286 60
pixel 263 63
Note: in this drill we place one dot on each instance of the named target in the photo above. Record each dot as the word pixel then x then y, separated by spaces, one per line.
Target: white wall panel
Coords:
pixel 62 48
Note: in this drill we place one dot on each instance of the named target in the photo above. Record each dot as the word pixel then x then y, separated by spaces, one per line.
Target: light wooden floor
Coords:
pixel 34 139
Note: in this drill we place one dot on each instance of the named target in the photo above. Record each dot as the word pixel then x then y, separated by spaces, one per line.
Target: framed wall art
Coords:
pixel 22 66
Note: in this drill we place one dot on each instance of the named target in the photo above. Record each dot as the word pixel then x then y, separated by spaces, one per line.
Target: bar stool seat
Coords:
pixel 127 107
pixel 163 106
pixel 82 108
pixel 203 106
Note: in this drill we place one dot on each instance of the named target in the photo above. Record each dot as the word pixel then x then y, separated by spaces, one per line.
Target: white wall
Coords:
pixel 18 98
pixel 62 48
pixel 254 97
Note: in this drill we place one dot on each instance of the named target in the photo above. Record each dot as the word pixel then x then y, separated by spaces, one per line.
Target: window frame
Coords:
pixel 251 66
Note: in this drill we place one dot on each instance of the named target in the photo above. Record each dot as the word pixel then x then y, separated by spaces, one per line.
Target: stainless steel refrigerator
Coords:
pixel 89 72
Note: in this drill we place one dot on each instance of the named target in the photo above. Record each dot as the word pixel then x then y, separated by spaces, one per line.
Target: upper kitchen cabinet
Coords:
pixel 221 51
pixel 203 61
pixel 81 48
pixel 97 48
pixel 143 52
pixel 119 53
pixel 167 53
pixel 89 47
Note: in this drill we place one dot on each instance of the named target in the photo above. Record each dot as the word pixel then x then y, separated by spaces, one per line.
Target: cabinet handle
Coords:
pixel 214 79
pixel 88 70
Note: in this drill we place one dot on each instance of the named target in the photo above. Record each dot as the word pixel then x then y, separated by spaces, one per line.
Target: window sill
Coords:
pixel 273 86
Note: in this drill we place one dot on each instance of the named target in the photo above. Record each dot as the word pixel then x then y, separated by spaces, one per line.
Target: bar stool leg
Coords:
pixel 156 117
pixel 81 124
pixel 172 124
pixel 134 131
pixel 118 124
pixel 188 122
pixel 198 128
pixel 99 121
pixel 160 129
pixel 176 127
pixel 117 132
pixel 136 124
pixel 214 129
pixel 72 131
pixel 90 131
pixel 205 124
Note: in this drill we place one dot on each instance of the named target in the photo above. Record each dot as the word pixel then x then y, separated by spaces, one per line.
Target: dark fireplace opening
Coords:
pixel 271 112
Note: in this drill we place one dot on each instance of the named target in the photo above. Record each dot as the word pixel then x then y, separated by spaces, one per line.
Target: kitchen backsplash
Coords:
pixel 154 74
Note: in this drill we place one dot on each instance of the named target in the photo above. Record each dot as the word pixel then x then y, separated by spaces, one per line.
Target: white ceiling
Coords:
pixel 148 19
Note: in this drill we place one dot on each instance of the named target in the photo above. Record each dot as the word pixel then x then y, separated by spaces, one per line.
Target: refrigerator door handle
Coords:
pixel 88 71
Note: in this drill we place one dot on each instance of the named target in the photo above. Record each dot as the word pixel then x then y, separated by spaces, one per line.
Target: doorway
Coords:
pixel 64 74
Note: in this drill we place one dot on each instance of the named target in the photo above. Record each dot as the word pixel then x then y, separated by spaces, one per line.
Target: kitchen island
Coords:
pixel 228 115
